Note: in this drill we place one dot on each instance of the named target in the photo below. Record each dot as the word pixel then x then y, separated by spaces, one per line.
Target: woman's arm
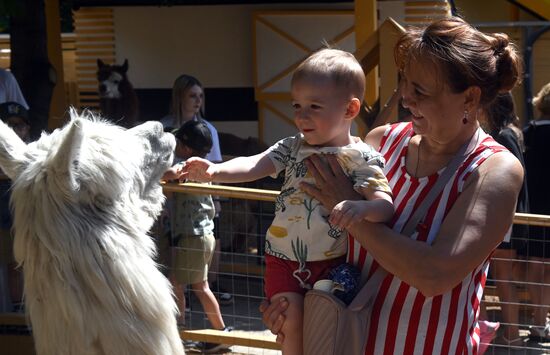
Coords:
pixel 474 226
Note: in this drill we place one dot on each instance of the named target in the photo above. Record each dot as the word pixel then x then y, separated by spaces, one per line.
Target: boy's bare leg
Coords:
pixel 179 293
pixel 209 304
pixel 292 327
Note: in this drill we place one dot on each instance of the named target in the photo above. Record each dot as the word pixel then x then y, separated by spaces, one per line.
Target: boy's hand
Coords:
pixel 198 169
pixel 348 212
pixel 170 174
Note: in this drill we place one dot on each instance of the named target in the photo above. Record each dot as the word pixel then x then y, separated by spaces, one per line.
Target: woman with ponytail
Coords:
pixel 429 301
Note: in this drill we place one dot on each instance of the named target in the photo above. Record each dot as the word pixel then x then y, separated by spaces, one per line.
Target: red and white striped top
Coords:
pixel 403 320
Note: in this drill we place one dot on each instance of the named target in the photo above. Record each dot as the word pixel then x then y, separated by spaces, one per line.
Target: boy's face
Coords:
pixel 182 151
pixel 19 126
pixel 321 112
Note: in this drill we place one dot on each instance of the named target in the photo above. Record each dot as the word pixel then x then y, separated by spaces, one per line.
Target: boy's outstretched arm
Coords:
pixel 377 208
pixel 240 169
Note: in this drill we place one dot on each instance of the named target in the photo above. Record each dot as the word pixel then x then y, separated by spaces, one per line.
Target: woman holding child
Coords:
pixel 429 301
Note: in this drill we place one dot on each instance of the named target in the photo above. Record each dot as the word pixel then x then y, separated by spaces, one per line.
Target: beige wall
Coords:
pixel 213 43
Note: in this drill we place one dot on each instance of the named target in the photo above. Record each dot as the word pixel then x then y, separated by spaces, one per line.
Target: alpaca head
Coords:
pixel 87 174
pixel 110 78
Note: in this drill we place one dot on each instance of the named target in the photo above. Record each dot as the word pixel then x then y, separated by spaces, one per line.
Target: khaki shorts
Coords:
pixel 191 258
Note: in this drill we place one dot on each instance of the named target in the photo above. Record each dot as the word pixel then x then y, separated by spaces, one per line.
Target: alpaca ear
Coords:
pixel 100 63
pixel 125 66
pixel 66 160
pixel 12 152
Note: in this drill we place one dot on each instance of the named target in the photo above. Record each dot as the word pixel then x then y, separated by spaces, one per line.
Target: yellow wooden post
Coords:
pixel 58 104
pixel 365 26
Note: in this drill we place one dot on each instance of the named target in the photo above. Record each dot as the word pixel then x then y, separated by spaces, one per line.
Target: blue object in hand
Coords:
pixel 346 278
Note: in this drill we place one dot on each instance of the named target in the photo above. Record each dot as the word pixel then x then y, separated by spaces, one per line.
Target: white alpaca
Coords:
pixel 85 198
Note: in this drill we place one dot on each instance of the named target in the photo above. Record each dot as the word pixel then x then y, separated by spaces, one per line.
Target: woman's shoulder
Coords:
pixel 501 172
pixel 380 135
pixel 6 74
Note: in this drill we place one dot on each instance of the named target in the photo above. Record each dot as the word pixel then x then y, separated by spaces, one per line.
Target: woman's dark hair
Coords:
pixel 502 112
pixel 195 135
pixel 464 55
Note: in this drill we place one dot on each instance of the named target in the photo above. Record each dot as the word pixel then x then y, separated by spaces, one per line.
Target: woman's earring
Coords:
pixel 465 118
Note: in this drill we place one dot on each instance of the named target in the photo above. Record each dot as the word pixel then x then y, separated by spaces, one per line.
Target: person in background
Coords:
pixel 502 123
pixel 9 89
pixel 188 104
pixel 429 301
pixel 16 116
pixel 192 238
pixel 10 93
pixel 537 146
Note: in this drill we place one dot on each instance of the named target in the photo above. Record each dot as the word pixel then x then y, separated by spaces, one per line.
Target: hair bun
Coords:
pixel 499 43
pixel 509 64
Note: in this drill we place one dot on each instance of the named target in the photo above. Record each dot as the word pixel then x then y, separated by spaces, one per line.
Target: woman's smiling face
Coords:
pixel 436 111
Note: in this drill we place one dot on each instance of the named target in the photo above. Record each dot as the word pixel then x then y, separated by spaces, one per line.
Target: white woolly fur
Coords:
pixel 84 199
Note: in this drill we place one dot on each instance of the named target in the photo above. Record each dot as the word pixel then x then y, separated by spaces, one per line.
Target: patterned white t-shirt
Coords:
pixel 300 230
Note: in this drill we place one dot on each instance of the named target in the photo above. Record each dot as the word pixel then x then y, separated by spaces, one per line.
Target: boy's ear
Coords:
pixel 353 108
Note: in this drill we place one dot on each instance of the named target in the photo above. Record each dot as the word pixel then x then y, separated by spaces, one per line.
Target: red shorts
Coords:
pixel 278 274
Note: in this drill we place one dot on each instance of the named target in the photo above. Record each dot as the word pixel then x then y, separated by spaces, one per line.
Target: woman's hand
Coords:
pixel 331 184
pixel 273 316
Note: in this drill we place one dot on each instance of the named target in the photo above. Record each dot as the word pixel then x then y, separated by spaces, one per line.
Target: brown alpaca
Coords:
pixel 118 101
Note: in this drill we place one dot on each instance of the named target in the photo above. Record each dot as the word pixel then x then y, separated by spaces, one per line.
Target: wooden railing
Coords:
pixel 271 195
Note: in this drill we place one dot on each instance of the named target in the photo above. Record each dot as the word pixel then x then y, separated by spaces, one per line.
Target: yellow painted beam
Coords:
pixel 365 26
pixel 540 7
pixel 236 337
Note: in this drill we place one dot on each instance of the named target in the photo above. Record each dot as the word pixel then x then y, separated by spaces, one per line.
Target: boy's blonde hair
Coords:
pixel 542 100
pixel 338 66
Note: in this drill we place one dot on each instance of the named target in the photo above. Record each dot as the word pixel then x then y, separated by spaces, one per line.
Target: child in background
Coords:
pixel 192 237
pixel 305 241
pixel 16 116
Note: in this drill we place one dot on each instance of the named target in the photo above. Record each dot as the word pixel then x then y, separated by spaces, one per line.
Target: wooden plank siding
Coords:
pixel 94 38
